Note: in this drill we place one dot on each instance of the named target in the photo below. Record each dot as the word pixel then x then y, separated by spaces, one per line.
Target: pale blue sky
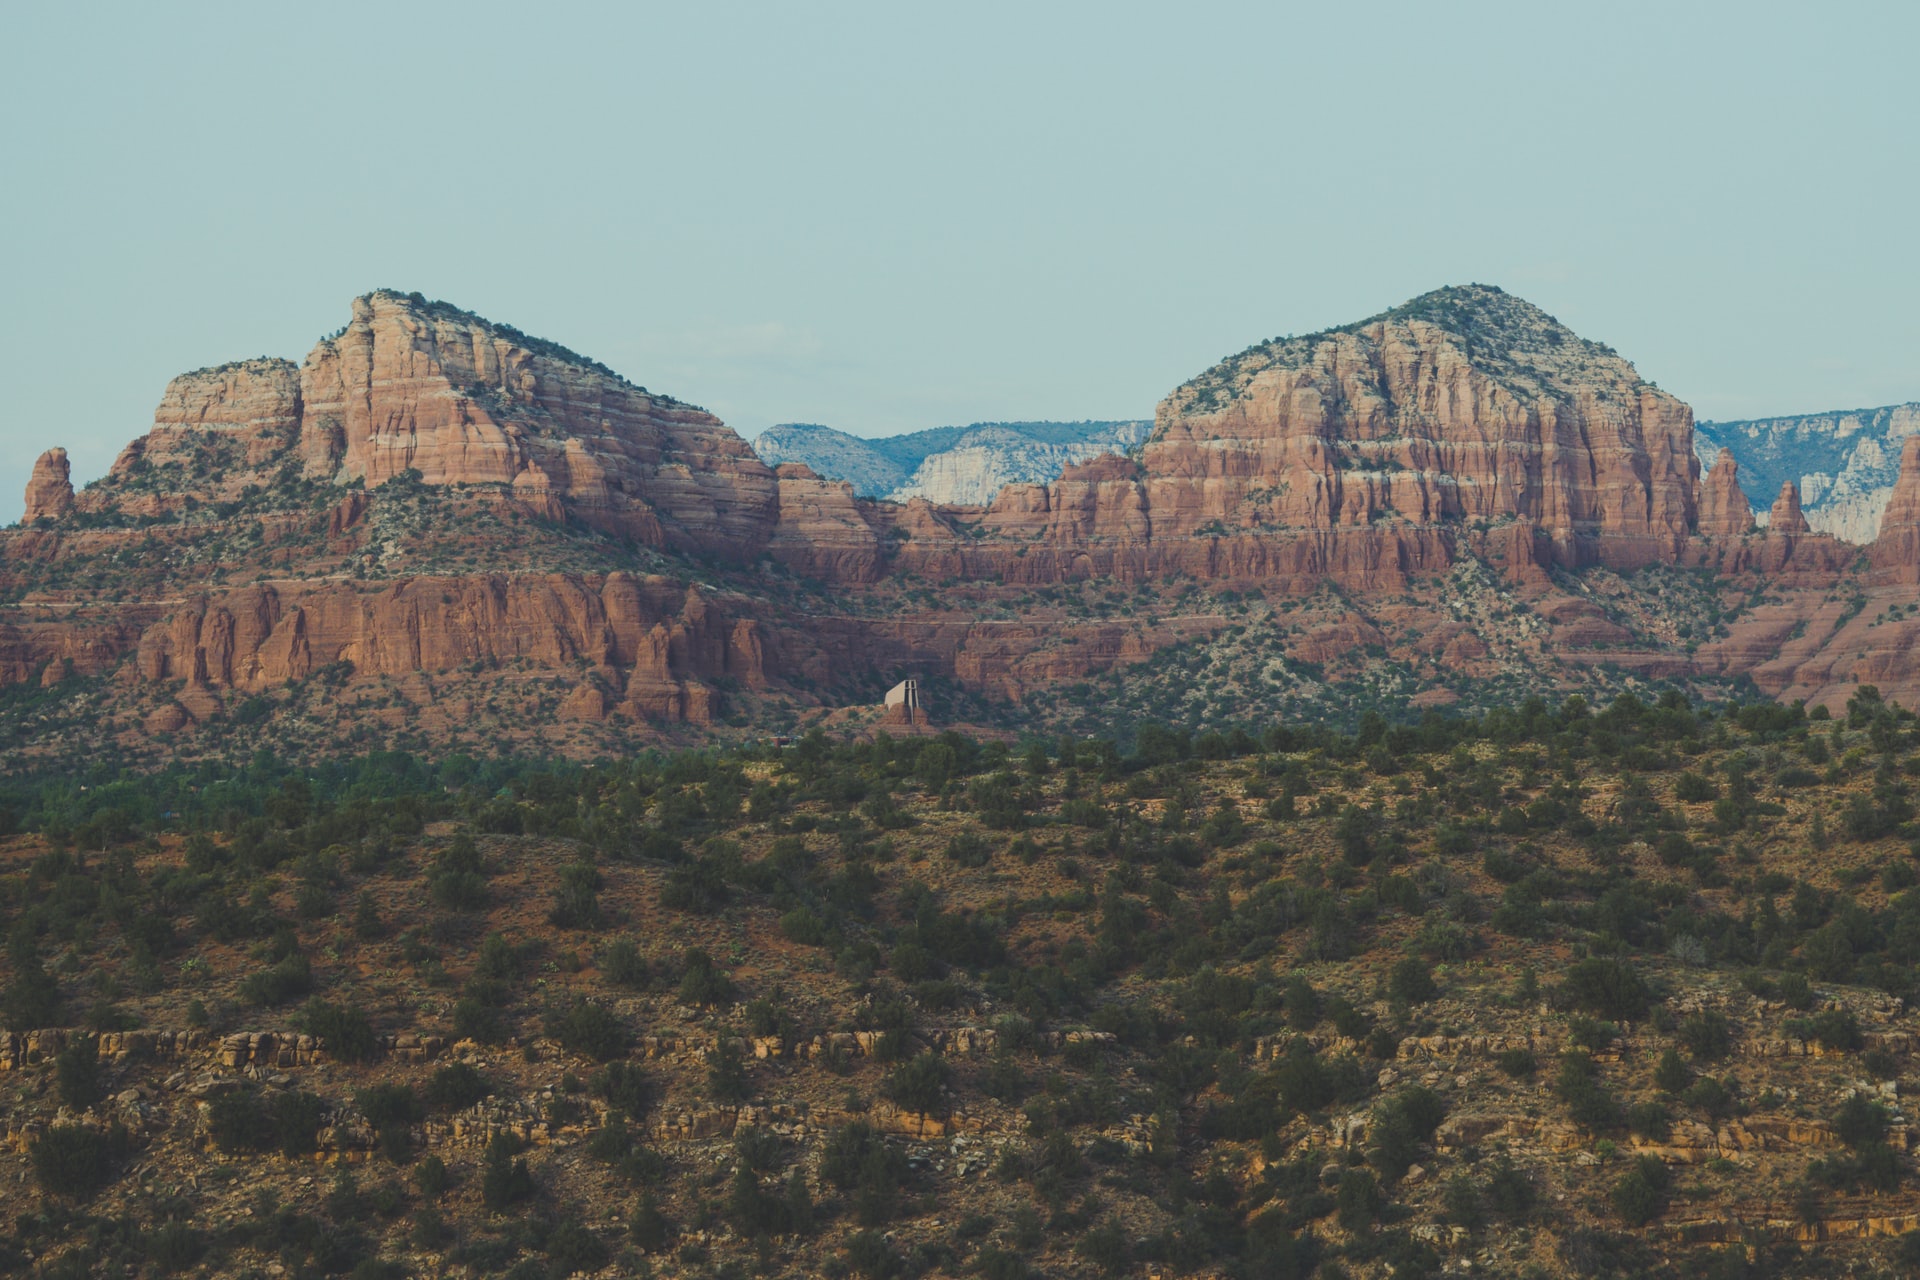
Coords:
pixel 886 217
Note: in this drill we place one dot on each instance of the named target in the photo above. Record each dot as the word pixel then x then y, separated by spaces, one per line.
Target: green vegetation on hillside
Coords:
pixel 1551 990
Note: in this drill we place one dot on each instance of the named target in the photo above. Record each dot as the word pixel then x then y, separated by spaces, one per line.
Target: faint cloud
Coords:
pixel 763 341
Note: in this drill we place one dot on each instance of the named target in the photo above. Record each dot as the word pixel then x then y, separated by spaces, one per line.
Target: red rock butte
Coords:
pixel 1464 427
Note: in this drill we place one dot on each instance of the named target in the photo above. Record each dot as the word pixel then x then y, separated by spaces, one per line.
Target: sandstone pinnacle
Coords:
pixel 50 490
pixel 1724 510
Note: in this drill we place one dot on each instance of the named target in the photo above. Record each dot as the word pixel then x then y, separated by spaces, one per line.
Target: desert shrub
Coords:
pixel 385 1104
pixel 430 1176
pixel 475 1019
pixel 1860 1121
pixel 699 887
pixel 1712 1098
pixel 174 1246
pixel 590 1030
pixel 857 1159
pixel 920 1084
pixel 702 982
pixel 343 1029
pixel 76 1162
pixel 1606 988
pixel 1577 1085
pixel 1672 1074
pixel 1359 1200
pixel 625 1087
pixel 504 1179
pixel 650 1228
pixel 1401 1126
pixel 870 1257
pixel 576 901
pixel 76 1071
pixel 623 964
pixel 572 1248
pixel 1412 981
pixel 1590 1034
pixel 1510 1192
pixel 1832 1028
pixel 1640 1194
pixel 1518 1063
pixel 1707 1036
pixel 1649 1120
pixel 969 849
pixel 458 880
pixel 1694 788
pixel 727 1081
pixel 288 1122
pixel 280 982
pixel 457 1086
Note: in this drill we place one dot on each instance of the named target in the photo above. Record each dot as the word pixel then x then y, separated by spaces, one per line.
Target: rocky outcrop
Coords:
pixel 413 386
pixel 1895 554
pixel 654 643
pixel 1724 510
pixel 1845 461
pixel 1786 516
pixel 423 390
pixel 1463 405
pixel 823 531
pixel 49 490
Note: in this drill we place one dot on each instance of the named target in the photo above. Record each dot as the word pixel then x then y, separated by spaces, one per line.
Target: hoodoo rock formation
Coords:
pixel 435 499
pixel 1895 554
pixel 1724 510
pixel 49 491
pixel 1786 516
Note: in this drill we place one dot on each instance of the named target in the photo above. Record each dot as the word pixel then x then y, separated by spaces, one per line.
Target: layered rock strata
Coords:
pixel 49 490
pixel 1786 516
pixel 422 390
pixel 1724 510
pixel 1895 554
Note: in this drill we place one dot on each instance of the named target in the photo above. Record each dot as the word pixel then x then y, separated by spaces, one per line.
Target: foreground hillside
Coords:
pixel 1552 992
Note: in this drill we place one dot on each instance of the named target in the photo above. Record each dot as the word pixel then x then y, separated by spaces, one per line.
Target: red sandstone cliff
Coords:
pixel 1895 554
pixel 49 491
pixel 1786 516
pixel 1724 509
pixel 1463 405
pixel 1463 428
pixel 422 387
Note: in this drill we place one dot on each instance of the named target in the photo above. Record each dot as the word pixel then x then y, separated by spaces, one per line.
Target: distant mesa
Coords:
pixel 949 466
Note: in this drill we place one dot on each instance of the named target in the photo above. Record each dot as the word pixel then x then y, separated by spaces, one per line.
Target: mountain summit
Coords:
pixel 1465 404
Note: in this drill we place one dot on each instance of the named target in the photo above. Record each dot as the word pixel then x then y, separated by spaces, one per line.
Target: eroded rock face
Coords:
pixel 1895 554
pixel 824 531
pixel 49 490
pixel 1724 510
pixel 1786 516
pixel 652 642
pixel 424 387
pixel 417 388
pixel 1463 405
